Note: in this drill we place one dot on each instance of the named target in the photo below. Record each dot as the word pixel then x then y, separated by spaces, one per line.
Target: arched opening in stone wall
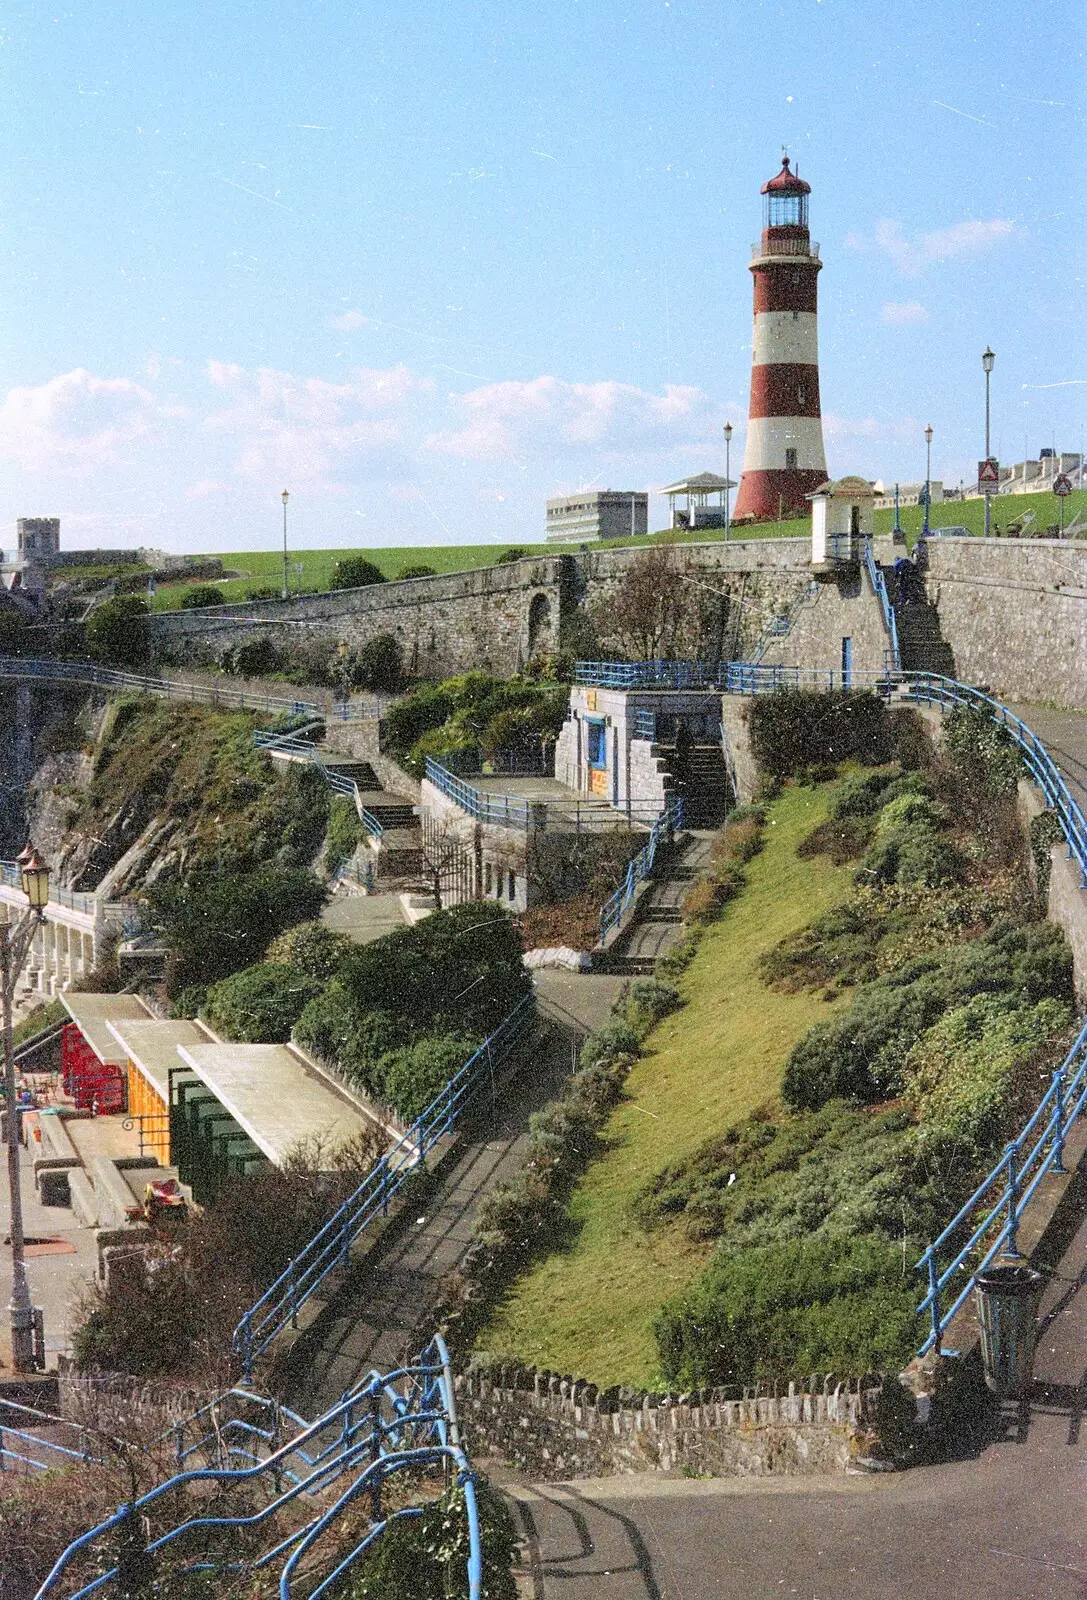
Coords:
pixel 539 622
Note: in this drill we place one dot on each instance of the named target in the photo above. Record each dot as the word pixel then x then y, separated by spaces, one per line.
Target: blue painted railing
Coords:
pixel 730 677
pixel 502 810
pixel 614 909
pixel 987 1225
pixel 399 1422
pixel 879 588
pixel 330 1247
pixel 18 669
pixel 664 725
pixel 781 625
pixel 291 745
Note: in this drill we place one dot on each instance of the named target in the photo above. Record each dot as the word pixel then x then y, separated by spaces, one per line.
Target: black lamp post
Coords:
pixel 285 497
pixel 728 474
pixel 16 939
pixel 988 357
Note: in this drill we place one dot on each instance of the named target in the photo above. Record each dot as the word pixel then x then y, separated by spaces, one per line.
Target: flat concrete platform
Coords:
pixel 273 1093
pixel 152 1046
pixel 365 917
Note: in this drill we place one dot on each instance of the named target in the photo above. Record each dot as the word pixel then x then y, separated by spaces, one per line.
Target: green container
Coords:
pixel 1007 1305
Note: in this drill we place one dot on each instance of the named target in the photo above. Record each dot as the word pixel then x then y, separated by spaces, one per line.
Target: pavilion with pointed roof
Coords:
pixel 698 491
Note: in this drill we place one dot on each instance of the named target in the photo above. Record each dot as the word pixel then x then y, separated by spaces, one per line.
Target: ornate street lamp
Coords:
pixel 988 357
pixel 285 497
pixel 928 480
pixel 15 941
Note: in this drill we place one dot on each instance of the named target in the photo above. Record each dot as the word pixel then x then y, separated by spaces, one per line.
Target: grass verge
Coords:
pixel 588 1309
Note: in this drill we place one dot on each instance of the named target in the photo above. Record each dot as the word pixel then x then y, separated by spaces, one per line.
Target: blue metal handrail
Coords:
pixel 88 672
pixel 329 1248
pixel 614 908
pixel 289 744
pixel 879 588
pixel 503 810
pixel 987 1225
pixel 649 674
pixel 390 1423
pixel 782 624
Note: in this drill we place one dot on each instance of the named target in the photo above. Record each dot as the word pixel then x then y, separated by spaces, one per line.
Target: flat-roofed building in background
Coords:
pixel 589 514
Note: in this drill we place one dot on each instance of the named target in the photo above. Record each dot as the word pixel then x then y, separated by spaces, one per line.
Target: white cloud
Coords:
pixel 958 242
pixel 205 488
pixel 349 321
pixel 302 428
pixel 506 419
pixel 76 422
pixel 904 313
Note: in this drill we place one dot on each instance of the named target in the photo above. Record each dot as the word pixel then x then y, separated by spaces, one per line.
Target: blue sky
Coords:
pixel 424 264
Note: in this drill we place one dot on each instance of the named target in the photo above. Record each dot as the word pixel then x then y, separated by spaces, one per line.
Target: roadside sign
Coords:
pixel 1062 485
pixel 989 470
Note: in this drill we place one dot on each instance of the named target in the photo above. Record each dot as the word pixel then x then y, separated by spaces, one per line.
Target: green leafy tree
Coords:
pixel 313 948
pixel 118 633
pixel 261 1004
pixel 378 664
pixel 355 572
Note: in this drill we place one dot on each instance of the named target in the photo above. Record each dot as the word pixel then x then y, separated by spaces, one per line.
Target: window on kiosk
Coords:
pixel 597 744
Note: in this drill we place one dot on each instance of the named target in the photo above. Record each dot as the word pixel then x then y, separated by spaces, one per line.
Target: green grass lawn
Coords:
pixel 588 1309
pixel 265 567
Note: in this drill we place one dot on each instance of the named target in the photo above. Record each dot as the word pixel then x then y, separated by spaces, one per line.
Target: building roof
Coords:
pixel 844 489
pixel 151 1046
pixel 275 1096
pixel 93 1014
pixel 702 481
pixel 786 182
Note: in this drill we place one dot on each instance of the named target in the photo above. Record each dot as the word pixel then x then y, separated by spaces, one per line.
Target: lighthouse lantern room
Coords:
pixel 784 461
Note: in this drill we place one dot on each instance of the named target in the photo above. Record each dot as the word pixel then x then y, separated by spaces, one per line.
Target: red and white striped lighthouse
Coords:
pixel 783 455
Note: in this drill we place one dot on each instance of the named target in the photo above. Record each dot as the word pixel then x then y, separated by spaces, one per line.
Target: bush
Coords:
pixel 410 1077
pixel 426 1557
pixel 256 658
pixel 313 948
pixel 515 552
pixel 344 832
pixel 418 570
pixel 1045 832
pixel 119 632
pixel 261 1004
pixel 202 594
pixel 841 839
pixel 797 728
pixel 982 752
pixel 355 572
pixel 821 1305
pixel 214 926
pixel 378 664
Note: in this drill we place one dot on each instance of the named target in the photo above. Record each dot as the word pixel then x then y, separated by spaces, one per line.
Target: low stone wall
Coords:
pixel 553 1428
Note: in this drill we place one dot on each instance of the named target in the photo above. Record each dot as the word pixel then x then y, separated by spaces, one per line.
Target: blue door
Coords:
pixel 847 663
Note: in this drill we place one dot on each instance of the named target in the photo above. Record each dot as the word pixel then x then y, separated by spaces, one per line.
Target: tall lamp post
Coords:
pixel 15 941
pixel 987 359
pixel 728 475
pixel 928 479
pixel 285 497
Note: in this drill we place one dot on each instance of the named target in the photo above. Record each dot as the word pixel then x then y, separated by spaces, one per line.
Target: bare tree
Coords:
pixel 658 609
pixel 445 856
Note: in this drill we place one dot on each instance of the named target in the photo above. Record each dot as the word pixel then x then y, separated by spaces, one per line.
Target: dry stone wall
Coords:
pixel 553 1428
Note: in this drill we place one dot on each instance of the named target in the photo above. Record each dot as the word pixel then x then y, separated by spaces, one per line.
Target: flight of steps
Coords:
pixel 657 922
pixel 921 645
pixel 704 787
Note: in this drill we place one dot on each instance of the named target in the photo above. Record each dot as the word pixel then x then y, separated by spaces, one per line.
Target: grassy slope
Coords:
pixel 588 1310
pixel 266 566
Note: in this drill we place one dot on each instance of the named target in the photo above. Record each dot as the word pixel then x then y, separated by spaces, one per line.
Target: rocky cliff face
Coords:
pixel 44 767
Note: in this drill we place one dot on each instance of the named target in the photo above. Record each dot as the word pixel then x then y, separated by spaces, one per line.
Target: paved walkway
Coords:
pixel 58 1272
pixel 1064 734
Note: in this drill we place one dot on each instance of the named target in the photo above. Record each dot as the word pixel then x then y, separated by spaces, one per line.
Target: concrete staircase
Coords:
pixel 921 645
pixel 657 920
pixel 703 784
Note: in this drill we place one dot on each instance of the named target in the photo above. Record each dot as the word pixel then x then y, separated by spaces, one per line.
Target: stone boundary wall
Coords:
pixel 554 1428
pixel 1014 613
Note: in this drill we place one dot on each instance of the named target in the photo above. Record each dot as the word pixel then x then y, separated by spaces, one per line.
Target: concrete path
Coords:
pixel 365 917
pixel 58 1272
pixel 378 1313
pixel 1064 734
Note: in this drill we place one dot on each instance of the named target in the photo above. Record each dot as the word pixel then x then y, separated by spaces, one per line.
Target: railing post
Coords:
pixel 293 1288
pixel 1057 1164
pixel 934 1299
pixel 1011 1153
pixel 247 1346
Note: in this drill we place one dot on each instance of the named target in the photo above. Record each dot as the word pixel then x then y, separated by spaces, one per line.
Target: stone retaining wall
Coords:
pixel 551 1428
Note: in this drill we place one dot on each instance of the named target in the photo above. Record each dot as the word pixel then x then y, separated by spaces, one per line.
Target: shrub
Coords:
pixel 797 728
pixel 312 948
pixel 377 664
pixel 649 1000
pixel 418 570
pixel 982 752
pixel 264 591
pixel 842 839
pixel 344 832
pixel 355 572
pixel 119 632
pixel 410 1077
pixel 962 1073
pixel 828 1304
pixel 426 1557
pixel 202 594
pixel 256 658
pixel 1045 832
pixel 515 552
pixel 707 897
pixel 261 1004
pixel 327 1023
pixel 216 925
pixel 410 718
